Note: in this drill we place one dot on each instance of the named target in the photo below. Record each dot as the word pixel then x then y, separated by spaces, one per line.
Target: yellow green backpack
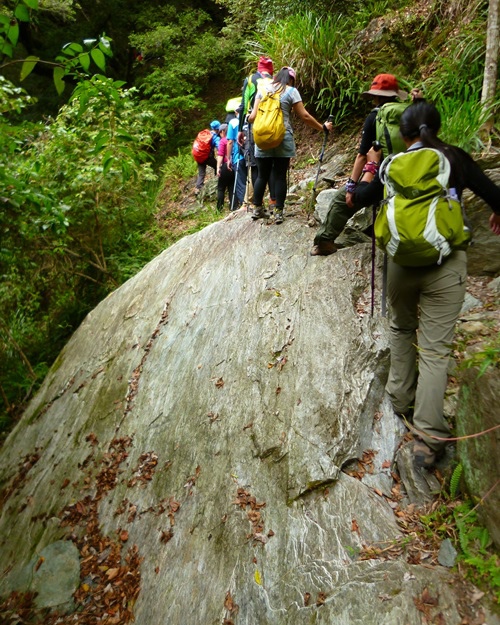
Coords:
pixel 421 220
pixel 269 124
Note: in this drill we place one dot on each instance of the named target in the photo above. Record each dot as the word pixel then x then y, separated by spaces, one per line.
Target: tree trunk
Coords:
pixel 491 59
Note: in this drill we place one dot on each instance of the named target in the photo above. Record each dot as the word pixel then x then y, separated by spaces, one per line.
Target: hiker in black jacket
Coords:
pixel 428 298
pixel 384 88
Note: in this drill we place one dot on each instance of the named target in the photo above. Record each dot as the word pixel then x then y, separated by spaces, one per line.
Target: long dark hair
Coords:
pixel 284 78
pixel 422 120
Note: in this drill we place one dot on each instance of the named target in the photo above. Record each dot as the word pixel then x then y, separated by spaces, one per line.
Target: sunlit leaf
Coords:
pixel 89 42
pixel 13 32
pixel 101 140
pixel 98 58
pixel 105 46
pixel 84 61
pixel 125 136
pixel 32 4
pixel 107 161
pixel 22 13
pixel 257 577
pixel 58 79
pixel 5 47
pixel 28 66
pixel 72 49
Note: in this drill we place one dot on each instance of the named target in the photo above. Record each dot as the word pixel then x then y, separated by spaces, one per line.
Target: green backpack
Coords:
pixel 421 220
pixel 269 124
pixel 387 127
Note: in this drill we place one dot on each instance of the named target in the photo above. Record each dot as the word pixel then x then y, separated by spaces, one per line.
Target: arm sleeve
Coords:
pixel 244 105
pixel 369 133
pixel 368 193
pixel 479 183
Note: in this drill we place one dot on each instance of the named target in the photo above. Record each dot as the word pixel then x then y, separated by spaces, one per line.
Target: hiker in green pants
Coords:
pixel 425 300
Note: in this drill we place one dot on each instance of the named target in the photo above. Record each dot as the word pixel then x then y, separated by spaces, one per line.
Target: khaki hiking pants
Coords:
pixel 425 304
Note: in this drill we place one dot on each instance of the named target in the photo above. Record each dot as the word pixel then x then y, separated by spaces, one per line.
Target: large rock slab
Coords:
pixel 196 426
pixel 480 455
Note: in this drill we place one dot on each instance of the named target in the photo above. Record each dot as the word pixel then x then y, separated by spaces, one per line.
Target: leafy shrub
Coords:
pixel 77 221
pixel 172 82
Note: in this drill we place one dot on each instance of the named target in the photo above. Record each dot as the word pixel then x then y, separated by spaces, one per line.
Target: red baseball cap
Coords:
pixel 385 85
pixel 265 65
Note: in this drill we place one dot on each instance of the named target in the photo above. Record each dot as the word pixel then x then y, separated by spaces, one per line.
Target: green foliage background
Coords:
pixel 111 99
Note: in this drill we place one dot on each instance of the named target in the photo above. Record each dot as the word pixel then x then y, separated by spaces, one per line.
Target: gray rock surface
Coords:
pixel 204 412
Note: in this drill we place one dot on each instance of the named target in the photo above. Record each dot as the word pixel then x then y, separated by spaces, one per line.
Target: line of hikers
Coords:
pixel 417 181
pixel 255 159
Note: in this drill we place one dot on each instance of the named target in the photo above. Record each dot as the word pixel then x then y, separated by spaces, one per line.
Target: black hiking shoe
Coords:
pixel 259 212
pixel 278 216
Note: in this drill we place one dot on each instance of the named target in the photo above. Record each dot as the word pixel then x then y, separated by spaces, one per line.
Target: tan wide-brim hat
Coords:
pixel 385 85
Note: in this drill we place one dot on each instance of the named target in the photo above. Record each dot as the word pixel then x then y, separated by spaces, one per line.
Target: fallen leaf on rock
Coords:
pixel 173 505
pixel 354 526
pixel 219 383
pixel 321 599
pixel 426 598
pixel 254 516
pixel 166 536
pixel 307 598
pixel 260 538
pixel 112 573
pixel 230 605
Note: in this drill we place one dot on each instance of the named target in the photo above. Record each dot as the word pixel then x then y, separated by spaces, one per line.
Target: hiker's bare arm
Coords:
pixel 495 223
pixel 300 110
pixel 359 163
pixel 229 149
pixel 253 114
pixel 374 155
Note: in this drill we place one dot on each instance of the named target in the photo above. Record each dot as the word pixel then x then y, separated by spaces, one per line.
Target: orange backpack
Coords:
pixel 202 146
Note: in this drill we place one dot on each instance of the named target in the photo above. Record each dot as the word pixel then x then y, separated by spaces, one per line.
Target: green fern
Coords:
pixel 455 480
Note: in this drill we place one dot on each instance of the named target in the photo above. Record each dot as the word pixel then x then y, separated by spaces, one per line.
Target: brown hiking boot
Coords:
pixel 324 248
pixel 425 457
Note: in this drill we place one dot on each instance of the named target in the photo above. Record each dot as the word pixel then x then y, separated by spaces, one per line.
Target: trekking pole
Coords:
pixel 384 287
pixel 374 209
pixel 234 187
pixel 321 156
pixel 249 186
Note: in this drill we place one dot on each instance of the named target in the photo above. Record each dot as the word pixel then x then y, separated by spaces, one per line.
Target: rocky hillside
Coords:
pixel 214 445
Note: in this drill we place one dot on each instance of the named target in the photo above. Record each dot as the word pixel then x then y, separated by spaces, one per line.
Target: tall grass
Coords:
pixel 317 48
pixel 455 86
pixel 327 51
pixel 462 119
